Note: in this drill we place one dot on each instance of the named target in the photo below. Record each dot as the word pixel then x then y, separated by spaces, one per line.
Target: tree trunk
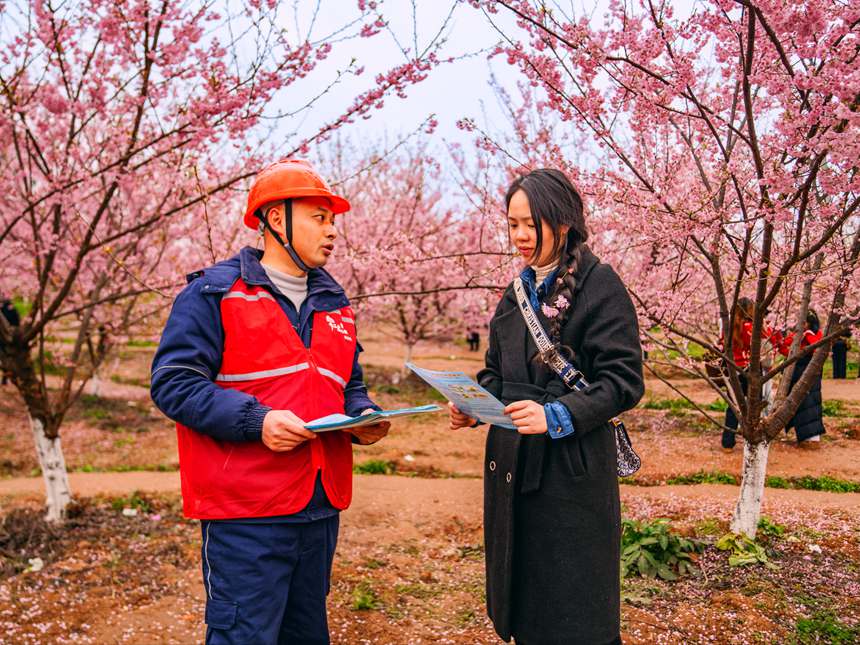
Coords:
pixel 57 491
pixel 748 508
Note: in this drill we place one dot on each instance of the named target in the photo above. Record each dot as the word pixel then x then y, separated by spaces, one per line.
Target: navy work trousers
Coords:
pixel 267 583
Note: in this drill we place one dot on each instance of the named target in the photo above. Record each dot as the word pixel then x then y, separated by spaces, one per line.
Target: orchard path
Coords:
pixel 386 354
pixel 403 502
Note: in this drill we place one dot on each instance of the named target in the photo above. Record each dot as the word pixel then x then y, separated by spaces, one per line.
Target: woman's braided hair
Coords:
pixel 554 200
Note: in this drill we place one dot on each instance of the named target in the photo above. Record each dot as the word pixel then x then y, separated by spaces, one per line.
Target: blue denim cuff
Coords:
pixel 558 421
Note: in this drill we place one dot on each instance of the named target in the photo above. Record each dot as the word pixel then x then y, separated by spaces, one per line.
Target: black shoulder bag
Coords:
pixel 628 460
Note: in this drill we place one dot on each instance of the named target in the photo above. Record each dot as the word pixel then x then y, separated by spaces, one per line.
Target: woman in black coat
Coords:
pixel 551 504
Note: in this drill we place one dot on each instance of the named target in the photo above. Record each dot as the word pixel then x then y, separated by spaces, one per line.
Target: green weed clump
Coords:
pixel 769 528
pixel 833 408
pixel 672 405
pixel 374 467
pixel 743 550
pixel 135 501
pixel 718 405
pixel 652 550
pixel 364 598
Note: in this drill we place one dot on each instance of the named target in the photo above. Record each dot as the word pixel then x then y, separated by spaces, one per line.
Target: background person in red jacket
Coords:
pixel 742 326
pixel 254 347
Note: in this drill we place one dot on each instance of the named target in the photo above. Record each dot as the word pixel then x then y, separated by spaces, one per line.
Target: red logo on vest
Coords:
pixel 264 356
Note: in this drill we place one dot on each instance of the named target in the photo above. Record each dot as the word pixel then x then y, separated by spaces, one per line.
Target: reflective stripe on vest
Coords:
pixel 250 376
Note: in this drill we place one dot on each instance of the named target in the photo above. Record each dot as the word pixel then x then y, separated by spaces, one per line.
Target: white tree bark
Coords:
pixel 57 491
pixel 767 395
pixel 748 507
pixel 94 387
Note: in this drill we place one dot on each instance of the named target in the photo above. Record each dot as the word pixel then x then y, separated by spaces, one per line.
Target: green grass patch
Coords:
pixel 464 618
pixel 126 468
pixel 678 406
pixel 471 552
pixel 135 500
pixel 709 526
pixel 833 408
pixel 130 380
pixel 775 481
pixel 23 307
pixel 824 627
pixel 826 483
pixel 49 365
pixel 674 405
pixel 417 590
pixel 364 598
pixel 374 563
pixel 807 482
pixel 134 342
pixel 387 388
pixel 375 467
pixel 703 477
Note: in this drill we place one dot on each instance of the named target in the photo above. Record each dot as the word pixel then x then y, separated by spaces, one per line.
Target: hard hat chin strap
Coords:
pixel 288 226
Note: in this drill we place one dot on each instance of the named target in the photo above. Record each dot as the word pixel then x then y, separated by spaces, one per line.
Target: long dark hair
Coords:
pixel 554 200
pixel 812 321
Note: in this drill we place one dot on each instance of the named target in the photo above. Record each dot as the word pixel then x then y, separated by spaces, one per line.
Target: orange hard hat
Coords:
pixel 286 179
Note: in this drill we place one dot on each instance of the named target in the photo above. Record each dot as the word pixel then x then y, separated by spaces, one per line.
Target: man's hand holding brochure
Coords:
pixel 342 421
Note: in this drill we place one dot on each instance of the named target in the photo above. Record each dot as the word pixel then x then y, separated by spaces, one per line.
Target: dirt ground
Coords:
pixel 409 567
pixel 410 551
pixel 120 434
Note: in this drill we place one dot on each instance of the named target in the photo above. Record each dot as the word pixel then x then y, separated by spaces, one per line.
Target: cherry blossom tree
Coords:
pixel 727 166
pixel 413 261
pixel 129 131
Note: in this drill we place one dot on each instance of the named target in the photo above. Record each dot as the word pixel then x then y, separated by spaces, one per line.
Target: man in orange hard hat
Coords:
pixel 254 348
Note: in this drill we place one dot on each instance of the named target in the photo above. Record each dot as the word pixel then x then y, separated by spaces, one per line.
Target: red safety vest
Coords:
pixel 264 356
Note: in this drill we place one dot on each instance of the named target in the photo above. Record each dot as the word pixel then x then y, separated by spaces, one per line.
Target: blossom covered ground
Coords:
pixel 410 559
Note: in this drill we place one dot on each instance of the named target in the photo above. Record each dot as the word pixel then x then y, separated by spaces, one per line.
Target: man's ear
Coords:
pixel 275 217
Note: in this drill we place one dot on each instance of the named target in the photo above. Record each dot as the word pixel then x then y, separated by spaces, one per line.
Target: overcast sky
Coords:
pixel 452 91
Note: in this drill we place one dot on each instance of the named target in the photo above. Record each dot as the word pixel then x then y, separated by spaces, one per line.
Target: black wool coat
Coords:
pixel 807 421
pixel 552 518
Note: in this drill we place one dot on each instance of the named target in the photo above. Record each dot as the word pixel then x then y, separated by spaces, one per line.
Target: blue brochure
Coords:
pixel 469 397
pixel 342 421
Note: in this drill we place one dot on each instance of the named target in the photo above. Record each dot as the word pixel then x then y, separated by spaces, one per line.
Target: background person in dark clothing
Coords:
pixel 840 354
pixel 474 340
pixel 11 315
pixel 807 421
